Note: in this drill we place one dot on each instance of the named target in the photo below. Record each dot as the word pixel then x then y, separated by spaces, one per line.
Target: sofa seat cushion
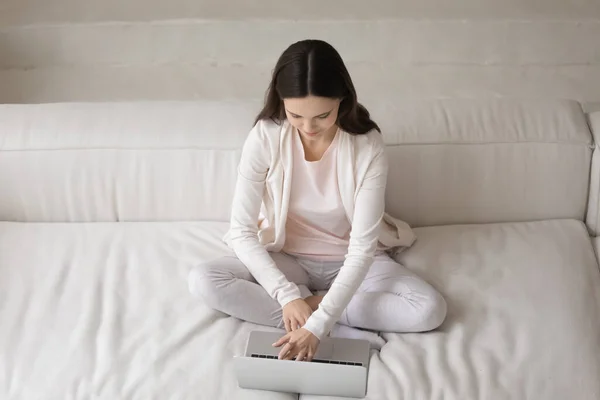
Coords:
pixel 523 316
pixel 102 310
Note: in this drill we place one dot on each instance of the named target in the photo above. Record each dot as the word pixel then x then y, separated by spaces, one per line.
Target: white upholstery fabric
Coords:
pixel 523 322
pixel 102 311
pixel 120 161
pixel 451 161
pixel 459 161
pixel 596 244
pixel 593 212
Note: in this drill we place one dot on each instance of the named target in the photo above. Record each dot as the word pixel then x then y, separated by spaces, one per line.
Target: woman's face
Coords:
pixel 314 117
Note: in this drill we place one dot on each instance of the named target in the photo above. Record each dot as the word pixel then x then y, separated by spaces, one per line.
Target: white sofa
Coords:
pixel 108 205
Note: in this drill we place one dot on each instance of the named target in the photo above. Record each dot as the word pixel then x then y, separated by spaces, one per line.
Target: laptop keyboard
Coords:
pixel 315 360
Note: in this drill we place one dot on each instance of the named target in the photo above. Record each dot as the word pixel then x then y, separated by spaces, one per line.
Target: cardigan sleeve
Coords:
pixel 247 200
pixel 364 236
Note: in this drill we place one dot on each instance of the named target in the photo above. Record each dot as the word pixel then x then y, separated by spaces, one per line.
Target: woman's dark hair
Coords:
pixel 314 67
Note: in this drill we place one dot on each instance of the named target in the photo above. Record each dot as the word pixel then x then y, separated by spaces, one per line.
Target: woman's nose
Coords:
pixel 309 127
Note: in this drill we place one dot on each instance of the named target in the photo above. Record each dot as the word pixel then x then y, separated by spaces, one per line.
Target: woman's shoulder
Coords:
pixel 264 140
pixel 268 129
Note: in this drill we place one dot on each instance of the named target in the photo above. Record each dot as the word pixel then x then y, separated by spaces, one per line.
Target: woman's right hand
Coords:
pixel 295 314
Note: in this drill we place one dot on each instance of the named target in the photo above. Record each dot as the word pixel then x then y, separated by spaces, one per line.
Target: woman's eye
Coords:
pixel 323 116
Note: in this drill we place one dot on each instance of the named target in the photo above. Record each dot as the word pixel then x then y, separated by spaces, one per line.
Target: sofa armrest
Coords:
pixel 593 211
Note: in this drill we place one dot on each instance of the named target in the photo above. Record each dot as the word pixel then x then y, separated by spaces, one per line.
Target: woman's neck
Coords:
pixel 314 149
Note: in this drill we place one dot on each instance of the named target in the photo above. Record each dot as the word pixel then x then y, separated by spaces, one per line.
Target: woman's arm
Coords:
pixel 247 200
pixel 364 236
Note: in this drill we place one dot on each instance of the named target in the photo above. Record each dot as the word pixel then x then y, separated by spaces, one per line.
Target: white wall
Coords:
pixel 65 50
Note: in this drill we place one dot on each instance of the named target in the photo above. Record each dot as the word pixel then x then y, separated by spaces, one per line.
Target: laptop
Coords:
pixel 339 367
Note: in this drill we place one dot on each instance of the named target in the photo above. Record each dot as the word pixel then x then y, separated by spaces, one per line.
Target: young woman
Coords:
pixel 308 215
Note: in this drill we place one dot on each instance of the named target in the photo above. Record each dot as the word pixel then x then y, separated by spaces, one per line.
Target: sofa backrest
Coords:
pixel 500 160
pixel 451 161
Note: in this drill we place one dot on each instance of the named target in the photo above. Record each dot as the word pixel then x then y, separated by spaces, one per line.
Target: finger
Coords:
pixel 303 321
pixel 299 323
pixel 285 351
pixel 310 355
pixel 282 340
pixel 291 353
pixel 301 355
pixel 292 349
pixel 287 325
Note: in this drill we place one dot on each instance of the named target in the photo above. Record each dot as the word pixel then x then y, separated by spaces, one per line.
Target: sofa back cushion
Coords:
pixel 467 161
pixel 451 161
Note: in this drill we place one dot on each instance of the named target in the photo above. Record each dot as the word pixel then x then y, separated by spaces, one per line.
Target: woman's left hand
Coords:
pixel 300 343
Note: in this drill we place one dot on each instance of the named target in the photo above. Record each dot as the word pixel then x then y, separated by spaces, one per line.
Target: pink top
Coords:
pixel 317 227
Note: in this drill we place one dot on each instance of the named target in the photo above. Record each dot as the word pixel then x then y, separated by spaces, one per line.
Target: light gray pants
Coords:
pixel 390 299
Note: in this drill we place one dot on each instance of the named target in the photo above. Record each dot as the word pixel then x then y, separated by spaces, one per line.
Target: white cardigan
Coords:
pixel 260 207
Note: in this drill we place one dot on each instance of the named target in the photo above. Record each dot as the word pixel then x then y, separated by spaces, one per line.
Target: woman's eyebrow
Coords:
pixel 320 115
